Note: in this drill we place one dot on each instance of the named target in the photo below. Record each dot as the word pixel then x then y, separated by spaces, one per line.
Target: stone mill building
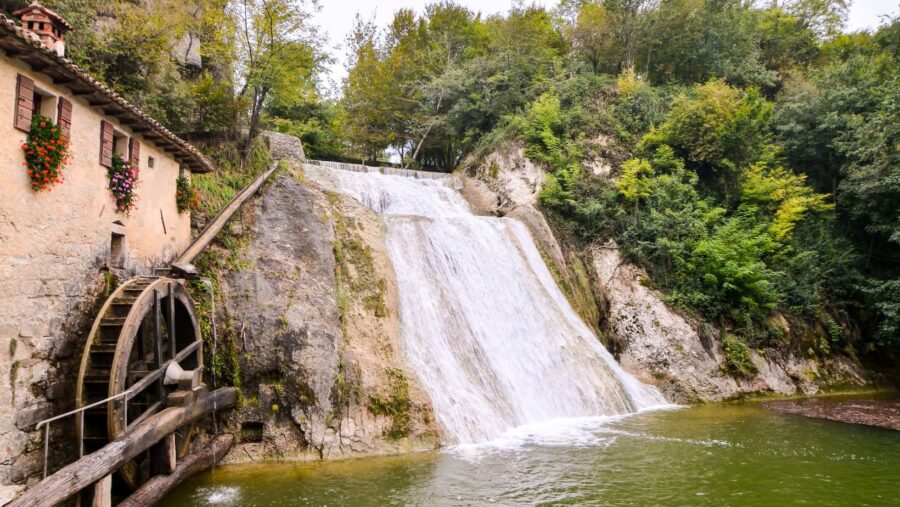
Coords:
pixel 58 247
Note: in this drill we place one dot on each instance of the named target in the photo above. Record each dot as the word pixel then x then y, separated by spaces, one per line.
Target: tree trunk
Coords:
pixel 259 98
pixel 418 148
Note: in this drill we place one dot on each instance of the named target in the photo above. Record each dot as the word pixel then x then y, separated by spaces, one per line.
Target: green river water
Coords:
pixel 726 454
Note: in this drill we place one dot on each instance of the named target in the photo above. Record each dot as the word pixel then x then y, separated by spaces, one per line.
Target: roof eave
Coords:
pixel 19 44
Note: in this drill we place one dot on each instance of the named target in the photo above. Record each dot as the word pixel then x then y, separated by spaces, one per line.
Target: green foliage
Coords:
pixel 737 356
pixel 396 404
pixel 134 52
pixel 316 124
pixel 692 41
pixel 779 191
pixel 717 127
pixel 542 129
pixel 885 299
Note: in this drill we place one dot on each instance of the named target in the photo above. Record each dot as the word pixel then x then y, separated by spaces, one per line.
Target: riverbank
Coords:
pixel 881 410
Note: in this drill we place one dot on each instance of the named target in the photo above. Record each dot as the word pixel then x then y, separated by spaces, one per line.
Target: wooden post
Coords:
pixel 173 349
pixel 103 492
pixel 162 456
pixel 157 340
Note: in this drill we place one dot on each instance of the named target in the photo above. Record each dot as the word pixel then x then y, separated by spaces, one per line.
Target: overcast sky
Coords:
pixel 336 17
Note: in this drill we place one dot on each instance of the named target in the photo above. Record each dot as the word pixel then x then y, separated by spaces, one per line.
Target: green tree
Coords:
pixel 718 128
pixel 278 52
pixel 593 37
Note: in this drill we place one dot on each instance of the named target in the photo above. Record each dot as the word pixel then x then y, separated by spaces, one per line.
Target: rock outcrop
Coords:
pixel 311 307
pixel 685 358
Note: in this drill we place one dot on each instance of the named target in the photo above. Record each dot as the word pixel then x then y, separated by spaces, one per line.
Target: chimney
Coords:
pixel 47 25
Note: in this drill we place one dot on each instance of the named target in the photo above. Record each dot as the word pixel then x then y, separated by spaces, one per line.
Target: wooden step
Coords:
pixel 112 321
pixel 97 377
pixel 104 347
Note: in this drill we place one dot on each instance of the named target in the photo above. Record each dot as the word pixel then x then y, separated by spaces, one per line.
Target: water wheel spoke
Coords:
pixel 130 342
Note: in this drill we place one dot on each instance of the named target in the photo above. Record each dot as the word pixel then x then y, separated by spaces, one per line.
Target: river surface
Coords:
pixel 726 454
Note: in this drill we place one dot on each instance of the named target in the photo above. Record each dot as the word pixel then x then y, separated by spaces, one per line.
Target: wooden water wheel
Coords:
pixel 142 327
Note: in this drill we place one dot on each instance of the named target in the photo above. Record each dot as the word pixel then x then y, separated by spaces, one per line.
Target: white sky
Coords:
pixel 336 17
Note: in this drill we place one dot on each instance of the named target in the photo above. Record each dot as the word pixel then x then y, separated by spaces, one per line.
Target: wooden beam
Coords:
pixel 157 487
pixel 92 468
pixel 103 493
pixel 115 112
pixel 214 226
pixel 162 456
pixel 96 100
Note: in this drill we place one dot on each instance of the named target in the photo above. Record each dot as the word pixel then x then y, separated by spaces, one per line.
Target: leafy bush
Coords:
pixel 737 356
pixel 717 128
pixel 543 129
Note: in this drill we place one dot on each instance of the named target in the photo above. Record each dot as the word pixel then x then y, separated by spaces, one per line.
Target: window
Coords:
pixel 112 142
pixel 151 162
pixel 120 144
pixel 117 250
pixel 30 101
pixel 45 104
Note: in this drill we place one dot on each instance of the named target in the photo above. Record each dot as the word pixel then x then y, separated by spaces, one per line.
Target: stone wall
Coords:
pixel 54 254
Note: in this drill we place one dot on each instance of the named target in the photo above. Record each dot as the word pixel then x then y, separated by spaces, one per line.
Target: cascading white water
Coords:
pixel 490 335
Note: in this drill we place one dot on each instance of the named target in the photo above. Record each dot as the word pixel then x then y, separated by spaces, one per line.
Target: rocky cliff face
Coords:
pixel 311 309
pixel 685 358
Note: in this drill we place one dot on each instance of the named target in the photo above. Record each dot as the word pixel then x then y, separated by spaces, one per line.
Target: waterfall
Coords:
pixel 483 323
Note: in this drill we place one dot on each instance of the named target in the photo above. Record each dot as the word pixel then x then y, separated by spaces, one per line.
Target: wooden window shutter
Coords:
pixel 134 152
pixel 24 103
pixel 64 116
pixel 106 144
